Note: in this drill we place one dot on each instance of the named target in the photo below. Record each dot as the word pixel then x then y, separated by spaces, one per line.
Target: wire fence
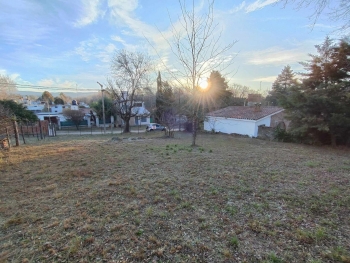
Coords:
pixel 13 133
pixel 93 130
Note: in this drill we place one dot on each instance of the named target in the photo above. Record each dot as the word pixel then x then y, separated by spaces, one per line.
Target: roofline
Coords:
pixel 244 119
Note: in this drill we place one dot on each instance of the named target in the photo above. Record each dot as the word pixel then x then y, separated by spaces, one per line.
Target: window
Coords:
pixel 143 119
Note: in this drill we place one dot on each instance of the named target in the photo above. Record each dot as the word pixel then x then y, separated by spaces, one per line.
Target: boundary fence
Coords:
pixel 12 132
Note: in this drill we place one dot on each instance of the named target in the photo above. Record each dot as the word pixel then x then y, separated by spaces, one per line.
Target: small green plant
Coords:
pixel 234 242
pixel 75 245
pixel 338 253
pixel 311 164
pixel 185 205
pixel 139 232
pixel 149 211
pixel 272 258
pixel 231 210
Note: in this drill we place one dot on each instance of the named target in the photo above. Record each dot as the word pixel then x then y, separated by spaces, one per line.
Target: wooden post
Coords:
pixel 40 129
pixel 15 128
pixel 24 141
pixel 8 137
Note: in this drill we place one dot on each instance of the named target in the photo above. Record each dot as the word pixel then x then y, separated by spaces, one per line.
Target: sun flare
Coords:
pixel 203 83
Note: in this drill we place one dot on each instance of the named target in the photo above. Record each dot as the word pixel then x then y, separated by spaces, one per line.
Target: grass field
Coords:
pixel 230 199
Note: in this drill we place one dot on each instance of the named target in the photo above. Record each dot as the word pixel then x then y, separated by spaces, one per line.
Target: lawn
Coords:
pixel 230 199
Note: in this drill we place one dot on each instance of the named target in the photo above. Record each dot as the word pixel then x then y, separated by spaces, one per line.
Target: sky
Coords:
pixel 67 46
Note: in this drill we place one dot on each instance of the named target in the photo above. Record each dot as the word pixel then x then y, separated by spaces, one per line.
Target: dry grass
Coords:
pixel 232 199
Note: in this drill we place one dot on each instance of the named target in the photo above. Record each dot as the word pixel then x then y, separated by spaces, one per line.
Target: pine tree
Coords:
pixel 217 94
pixel 284 81
pixel 319 108
pixel 164 102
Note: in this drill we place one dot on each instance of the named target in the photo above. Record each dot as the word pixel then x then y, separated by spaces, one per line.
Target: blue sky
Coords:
pixel 69 44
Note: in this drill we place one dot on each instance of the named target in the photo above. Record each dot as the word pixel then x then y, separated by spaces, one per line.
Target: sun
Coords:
pixel 203 83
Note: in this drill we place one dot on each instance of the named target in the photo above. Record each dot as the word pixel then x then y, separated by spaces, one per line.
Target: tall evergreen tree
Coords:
pixel 284 81
pixel 320 107
pixel 165 99
pixel 217 94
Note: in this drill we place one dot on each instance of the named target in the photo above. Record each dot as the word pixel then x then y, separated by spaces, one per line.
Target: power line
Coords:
pixel 43 87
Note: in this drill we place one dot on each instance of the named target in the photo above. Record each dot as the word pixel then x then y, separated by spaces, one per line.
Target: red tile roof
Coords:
pixel 244 112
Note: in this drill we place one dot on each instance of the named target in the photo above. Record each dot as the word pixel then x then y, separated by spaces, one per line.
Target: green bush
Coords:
pixel 282 135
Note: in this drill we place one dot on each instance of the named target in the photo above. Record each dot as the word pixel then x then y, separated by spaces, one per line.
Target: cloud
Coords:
pixel 18 25
pixel 57 83
pixel 266 79
pixel 312 26
pixel 118 39
pixel 122 12
pixel 95 48
pixel 275 56
pixel 90 12
pixel 3 72
pixel 259 4
pixel 237 8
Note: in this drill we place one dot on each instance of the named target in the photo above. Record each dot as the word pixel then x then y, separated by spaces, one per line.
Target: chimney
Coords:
pixel 257 107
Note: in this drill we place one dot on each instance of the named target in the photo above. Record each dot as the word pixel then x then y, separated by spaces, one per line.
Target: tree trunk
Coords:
pixel 127 126
pixel 194 131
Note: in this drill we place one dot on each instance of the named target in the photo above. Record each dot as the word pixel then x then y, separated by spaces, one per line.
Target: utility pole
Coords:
pixel 103 107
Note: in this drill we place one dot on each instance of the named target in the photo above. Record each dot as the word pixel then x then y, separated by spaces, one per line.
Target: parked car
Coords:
pixel 155 127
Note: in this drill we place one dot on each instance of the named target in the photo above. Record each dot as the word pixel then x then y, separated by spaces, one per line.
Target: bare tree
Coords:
pixel 76 116
pixel 196 45
pixel 129 76
pixel 338 11
pixel 7 87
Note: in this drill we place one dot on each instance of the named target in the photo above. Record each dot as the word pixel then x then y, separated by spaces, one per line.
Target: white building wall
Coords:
pixel 226 125
pixel 56 108
pixel 238 126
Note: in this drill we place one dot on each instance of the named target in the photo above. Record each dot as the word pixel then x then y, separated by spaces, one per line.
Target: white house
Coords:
pixel 142 114
pixel 243 120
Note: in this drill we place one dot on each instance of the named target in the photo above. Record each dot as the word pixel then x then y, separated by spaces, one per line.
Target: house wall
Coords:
pixel 238 126
pixel 279 117
pixel 57 108
pixel 226 125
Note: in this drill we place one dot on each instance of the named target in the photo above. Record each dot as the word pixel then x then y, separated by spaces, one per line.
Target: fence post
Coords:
pixel 24 141
pixel 15 128
pixel 8 137
pixel 40 129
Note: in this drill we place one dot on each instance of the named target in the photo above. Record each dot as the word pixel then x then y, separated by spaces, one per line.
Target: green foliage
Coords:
pixel 217 91
pixel 110 109
pixel 58 100
pixel 21 113
pixel 282 135
pixel 284 81
pixel 319 108
pixel 234 241
pixel 165 99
